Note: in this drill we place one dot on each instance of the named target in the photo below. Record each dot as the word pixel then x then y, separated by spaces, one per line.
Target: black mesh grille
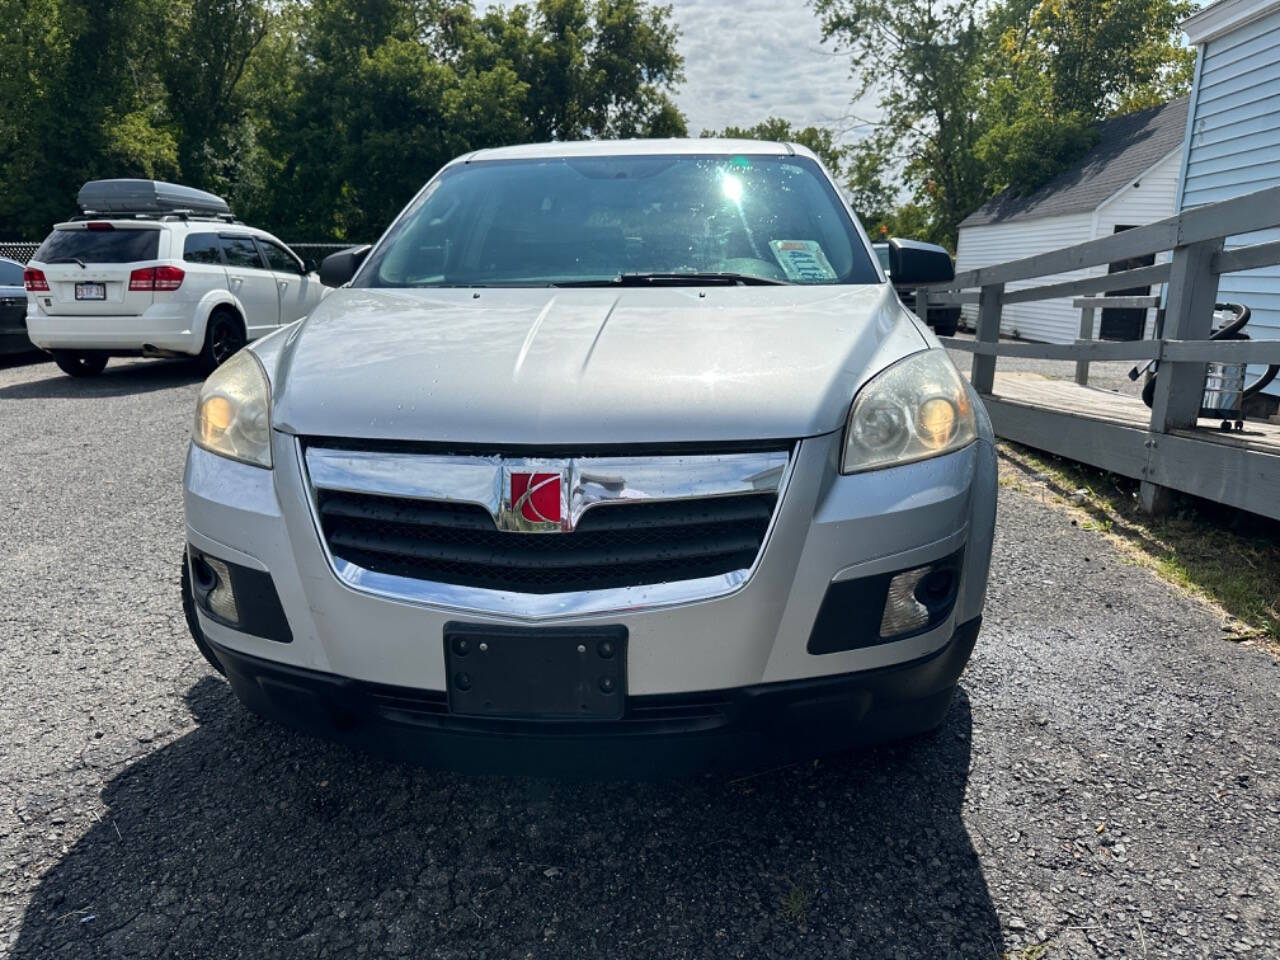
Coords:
pixel 614 545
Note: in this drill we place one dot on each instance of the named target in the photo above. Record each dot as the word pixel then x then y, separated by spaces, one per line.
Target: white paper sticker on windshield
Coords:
pixel 802 260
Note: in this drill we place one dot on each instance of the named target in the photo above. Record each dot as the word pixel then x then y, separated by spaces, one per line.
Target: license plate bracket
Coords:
pixel 91 291
pixel 561 673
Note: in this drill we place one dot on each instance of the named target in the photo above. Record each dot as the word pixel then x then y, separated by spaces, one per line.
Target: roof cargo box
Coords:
pixel 148 196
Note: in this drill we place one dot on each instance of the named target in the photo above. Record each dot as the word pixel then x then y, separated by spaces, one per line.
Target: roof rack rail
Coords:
pixel 157 217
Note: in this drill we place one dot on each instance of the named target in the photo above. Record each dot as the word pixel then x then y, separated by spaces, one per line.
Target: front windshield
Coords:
pixel 591 220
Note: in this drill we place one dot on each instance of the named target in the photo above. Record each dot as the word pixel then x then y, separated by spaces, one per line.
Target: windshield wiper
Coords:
pixel 675 279
pixel 75 260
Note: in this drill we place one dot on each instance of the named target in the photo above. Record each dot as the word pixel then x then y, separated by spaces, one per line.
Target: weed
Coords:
pixel 795 905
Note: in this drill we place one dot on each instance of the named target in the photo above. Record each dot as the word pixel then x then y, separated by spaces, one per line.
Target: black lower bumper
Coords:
pixel 664 735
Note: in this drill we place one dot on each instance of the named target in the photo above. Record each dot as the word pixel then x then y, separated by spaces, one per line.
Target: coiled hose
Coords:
pixel 1227 332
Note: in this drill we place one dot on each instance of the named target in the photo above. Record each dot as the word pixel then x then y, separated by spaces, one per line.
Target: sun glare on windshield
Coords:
pixel 589 221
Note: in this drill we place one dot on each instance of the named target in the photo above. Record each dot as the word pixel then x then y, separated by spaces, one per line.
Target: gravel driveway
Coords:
pixel 1106 782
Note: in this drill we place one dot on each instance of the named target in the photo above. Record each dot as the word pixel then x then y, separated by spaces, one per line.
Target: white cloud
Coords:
pixel 749 59
pixel 746 60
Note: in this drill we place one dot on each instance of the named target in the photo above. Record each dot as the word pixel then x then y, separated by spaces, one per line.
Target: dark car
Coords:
pixel 13 309
pixel 944 319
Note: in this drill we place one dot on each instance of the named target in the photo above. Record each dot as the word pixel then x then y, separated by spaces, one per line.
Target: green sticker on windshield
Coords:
pixel 802 260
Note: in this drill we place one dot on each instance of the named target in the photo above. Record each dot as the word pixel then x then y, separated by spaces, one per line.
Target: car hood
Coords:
pixel 570 367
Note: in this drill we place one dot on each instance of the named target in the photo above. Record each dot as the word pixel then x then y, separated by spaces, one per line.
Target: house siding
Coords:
pixel 1234 148
pixel 1154 197
pixel 1055 321
pixel 1052 321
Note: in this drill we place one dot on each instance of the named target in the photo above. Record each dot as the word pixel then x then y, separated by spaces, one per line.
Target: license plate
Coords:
pixel 574 672
pixel 91 291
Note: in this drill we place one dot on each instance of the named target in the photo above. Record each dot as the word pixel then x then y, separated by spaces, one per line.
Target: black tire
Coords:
pixel 223 336
pixel 80 363
pixel 947 329
pixel 193 622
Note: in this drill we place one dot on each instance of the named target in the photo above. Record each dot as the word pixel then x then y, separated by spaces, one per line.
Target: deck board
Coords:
pixel 1066 396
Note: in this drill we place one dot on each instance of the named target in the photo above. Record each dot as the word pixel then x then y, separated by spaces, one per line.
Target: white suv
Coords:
pixel 165 286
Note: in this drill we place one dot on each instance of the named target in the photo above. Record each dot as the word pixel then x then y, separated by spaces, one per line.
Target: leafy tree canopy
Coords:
pixel 973 100
pixel 315 118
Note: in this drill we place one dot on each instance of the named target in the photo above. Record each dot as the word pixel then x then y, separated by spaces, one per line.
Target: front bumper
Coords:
pixel 749 648
pixel 662 735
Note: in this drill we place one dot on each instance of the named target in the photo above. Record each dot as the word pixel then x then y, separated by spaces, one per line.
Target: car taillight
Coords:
pixel 98 225
pixel 156 278
pixel 34 280
pixel 169 278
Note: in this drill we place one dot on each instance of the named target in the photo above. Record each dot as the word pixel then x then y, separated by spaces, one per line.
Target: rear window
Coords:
pixel 10 274
pixel 99 246
pixel 202 248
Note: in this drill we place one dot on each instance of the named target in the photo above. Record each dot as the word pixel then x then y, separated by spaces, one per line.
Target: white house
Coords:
pixel 1233 134
pixel 1128 179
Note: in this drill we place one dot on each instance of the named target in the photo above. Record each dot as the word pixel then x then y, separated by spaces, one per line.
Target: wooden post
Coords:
pixel 922 304
pixel 1192 291
pixel 1086 333
pixel 983 375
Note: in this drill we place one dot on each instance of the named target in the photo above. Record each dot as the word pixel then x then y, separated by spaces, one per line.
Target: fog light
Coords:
pixel 213 579
pixel 903 612
pixel 916 598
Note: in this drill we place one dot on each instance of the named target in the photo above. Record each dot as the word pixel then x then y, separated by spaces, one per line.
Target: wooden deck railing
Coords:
pixel 1195 239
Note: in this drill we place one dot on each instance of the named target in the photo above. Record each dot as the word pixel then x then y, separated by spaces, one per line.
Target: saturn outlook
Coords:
pixel 607 458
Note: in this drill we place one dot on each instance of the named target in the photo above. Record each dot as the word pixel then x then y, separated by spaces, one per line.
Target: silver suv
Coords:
pixel 619 457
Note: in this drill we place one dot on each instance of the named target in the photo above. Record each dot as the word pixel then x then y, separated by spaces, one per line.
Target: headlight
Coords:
pixel 917 408
pixel 233 414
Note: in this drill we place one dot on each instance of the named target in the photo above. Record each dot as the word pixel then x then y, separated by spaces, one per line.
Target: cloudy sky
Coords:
pixel 748 59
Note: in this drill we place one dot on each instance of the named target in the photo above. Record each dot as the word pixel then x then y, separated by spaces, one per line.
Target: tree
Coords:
pixel 209 49
pixel 1054 68
pixel 313 117
pixel 595 68
pixel 920 57
pixel 76 74
pixel 972 103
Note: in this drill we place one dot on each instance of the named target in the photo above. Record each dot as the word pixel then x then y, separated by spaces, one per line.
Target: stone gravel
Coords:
pixel 1105 784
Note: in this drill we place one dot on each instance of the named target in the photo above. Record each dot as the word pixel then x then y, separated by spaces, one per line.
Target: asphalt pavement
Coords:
pixel 1105 784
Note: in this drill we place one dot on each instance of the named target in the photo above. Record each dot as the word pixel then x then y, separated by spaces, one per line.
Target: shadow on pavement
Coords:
pixel 242 839
pixel 122 377
pixel 24 359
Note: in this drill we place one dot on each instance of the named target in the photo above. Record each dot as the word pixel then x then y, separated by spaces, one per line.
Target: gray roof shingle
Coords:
pixel 1129 146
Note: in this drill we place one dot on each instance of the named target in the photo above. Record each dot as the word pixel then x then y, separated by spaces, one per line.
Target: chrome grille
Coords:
pixel 620 546
pixel 637 531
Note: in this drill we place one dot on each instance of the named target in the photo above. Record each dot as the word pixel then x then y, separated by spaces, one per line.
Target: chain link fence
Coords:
pixel 24 250
pixel 20 250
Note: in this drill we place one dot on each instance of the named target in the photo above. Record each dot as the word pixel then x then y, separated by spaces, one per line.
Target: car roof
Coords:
pixel 685 146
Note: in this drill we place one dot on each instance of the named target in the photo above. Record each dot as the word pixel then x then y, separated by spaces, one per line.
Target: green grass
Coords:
pixel 795 905
pixel 1224 556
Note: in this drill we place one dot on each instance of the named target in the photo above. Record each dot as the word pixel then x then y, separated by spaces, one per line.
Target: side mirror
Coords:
pixel 309 265
pixel 912 262
pixel 337 268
